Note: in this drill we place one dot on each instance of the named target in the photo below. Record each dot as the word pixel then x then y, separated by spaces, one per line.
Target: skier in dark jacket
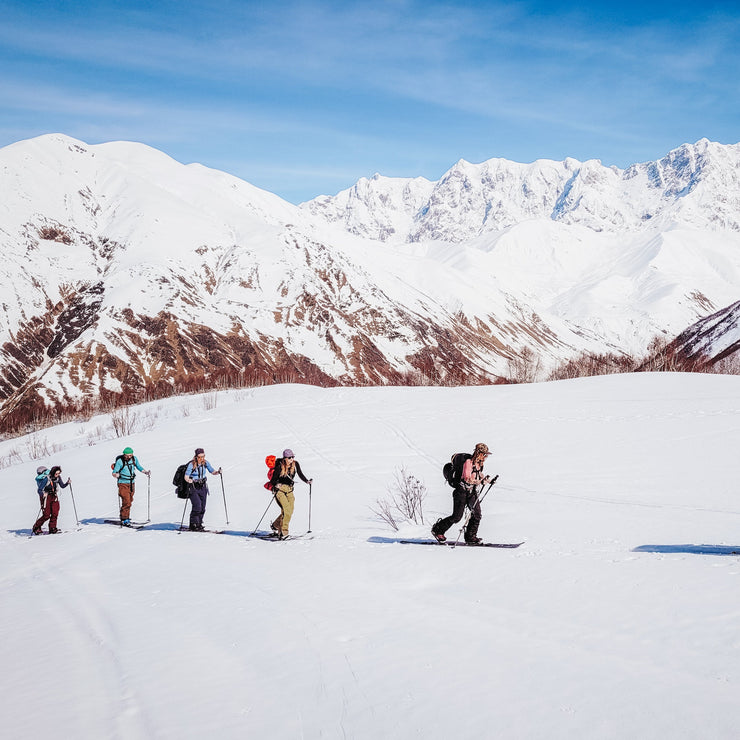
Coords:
pixel 466 495
pixel 282 482
pixel 50 503
pixel 197 480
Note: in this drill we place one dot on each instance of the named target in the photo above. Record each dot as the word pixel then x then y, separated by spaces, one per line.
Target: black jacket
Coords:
pixel 285 479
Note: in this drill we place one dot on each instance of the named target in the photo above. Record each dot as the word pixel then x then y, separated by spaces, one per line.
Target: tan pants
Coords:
pixel 126 492
pixel 286 501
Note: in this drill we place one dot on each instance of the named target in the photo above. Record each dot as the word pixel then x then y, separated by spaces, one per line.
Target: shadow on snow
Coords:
pixel 691 549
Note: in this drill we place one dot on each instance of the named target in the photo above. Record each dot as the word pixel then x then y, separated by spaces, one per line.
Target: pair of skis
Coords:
pixel 447 543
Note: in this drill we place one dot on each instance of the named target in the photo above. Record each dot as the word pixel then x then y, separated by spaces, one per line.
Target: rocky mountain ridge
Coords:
pixel 695 185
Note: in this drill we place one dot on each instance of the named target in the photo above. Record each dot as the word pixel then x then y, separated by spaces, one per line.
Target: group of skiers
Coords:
pixel 196 477
pixel 464 474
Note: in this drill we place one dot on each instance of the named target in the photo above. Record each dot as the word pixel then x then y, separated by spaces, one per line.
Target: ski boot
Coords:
pixel 438 535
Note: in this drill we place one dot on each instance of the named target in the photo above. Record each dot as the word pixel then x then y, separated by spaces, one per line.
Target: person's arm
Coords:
pixel 117 468
pixel 189 473
pixel 300 473
pixel 467 472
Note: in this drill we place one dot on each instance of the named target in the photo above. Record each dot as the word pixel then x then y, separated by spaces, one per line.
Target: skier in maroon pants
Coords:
pixel 50 502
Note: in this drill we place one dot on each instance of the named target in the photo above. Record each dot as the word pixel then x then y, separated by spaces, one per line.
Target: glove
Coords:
pixel 147 472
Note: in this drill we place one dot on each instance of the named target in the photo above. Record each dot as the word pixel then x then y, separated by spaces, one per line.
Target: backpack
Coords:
pixel 41 480
pixel 270 462
pixel 113 464
pixel 452 471
pixel 178 481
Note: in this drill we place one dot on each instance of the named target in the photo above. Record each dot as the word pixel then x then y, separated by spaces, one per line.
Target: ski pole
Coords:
pixel 263 516
pixel 223 490
pixel 478 500
pixel 309 507
pixel 149 499
pixel 182 521
pixel 74 505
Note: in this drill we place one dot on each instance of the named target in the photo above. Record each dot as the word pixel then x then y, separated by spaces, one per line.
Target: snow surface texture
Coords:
pixel 618 617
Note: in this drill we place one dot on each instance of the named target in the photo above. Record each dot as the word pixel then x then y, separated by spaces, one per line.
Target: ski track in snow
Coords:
pixel 602 625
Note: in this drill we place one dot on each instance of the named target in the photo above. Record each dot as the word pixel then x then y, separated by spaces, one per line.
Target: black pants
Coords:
pixel 460 500
pixel 198 498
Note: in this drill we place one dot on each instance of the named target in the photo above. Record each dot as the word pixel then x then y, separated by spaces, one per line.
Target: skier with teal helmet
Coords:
pixel 124 470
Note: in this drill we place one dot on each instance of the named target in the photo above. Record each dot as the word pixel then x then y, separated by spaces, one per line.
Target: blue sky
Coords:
pixel 304 98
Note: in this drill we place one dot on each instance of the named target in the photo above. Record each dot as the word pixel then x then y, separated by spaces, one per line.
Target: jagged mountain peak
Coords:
pixel 694 184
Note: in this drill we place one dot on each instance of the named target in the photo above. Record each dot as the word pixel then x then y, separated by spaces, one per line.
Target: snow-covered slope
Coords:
pixel 128 273
pixel 617 618
pixel 713 341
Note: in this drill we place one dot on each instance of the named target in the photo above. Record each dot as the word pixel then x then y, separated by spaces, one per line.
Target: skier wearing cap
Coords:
pixel 50 501
pixel 124 470
pixel 466 495
pixel 196 478
pixel 282 483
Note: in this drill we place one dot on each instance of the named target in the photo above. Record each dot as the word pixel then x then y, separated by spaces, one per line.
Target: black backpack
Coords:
pixel 178 481
pixel 452 471
pixel 118 457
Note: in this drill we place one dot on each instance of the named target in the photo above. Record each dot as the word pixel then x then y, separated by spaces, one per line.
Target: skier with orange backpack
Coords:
pixel 282 482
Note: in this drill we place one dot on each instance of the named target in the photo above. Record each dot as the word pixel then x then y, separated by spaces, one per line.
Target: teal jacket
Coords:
pixel 127 470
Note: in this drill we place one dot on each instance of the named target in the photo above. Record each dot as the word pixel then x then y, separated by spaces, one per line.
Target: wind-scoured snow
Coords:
pixel 617 617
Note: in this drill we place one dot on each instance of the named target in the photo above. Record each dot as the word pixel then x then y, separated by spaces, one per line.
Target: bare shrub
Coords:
pixel 385 510
pixel 663 356
pixel 12 457
pixel 729 365
pixel 123 421
pixel 148 421
pixel 524 367
pixel 37 447
pixel 587 365
pixel 405 502
pixel 95 435
pixel 210 401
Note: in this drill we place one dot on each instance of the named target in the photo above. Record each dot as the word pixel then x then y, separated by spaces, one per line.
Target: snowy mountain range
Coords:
pixel 129 274
pixel 696 186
